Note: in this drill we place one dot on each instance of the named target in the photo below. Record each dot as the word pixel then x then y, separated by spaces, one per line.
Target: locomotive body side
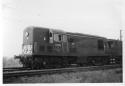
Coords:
pixel 86 45
pixel 87 48
pixel 40 41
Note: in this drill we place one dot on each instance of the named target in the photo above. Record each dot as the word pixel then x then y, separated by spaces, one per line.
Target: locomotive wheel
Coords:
pixel 25 62
pixel 35 64
pixel 97 61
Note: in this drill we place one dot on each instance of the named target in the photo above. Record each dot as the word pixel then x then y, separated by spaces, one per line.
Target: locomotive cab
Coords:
pixel 58 39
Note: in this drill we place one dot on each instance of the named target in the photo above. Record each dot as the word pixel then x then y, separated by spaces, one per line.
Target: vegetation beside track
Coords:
pixel 33 73
pixel 97 76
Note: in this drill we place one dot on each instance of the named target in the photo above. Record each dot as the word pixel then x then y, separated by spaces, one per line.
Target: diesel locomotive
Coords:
pixel 50 48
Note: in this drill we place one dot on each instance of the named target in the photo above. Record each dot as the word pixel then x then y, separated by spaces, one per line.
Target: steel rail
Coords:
pixel 14 69
pixel 60 70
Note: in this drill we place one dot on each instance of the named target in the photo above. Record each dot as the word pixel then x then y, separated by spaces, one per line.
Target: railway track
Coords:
pixel 14 69
pixel 27 72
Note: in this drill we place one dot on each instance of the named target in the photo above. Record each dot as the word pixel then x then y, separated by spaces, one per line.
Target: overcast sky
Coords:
pixel 96 17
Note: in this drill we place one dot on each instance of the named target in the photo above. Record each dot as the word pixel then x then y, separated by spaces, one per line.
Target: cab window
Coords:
pixel 50 34
pixel 51 37
pixel 64 38
pixel 110 44
pixel 57 37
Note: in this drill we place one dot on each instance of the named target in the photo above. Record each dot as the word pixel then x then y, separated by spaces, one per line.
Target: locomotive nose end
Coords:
pixel 27 49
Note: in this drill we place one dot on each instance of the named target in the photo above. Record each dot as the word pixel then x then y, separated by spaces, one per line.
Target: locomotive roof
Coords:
pixel 52 30
pixel 67 33
pixel 76 34
pixel 114 40
pixel 85 35
pixel 36 27
pixel 57 31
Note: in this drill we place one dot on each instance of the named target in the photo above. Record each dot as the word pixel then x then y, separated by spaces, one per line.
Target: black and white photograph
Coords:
pixel 62 41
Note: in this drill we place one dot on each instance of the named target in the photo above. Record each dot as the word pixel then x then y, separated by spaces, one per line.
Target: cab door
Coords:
pixel 65 43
